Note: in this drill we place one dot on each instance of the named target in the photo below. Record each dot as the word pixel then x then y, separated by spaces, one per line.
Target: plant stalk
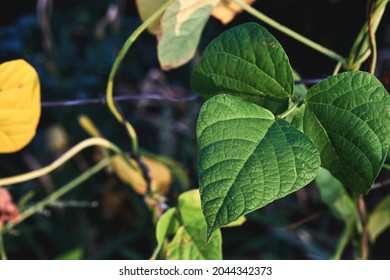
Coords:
pixel 57 194
pixel 331 54
pixel 361 50
pixel 289 111
pixel 343 241
pixel 118 60
pixel 363 221
pixel 95 141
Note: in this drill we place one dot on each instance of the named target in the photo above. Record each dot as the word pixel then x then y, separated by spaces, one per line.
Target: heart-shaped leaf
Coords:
pixel 247 159
pixel 246 61
pixel 181 27
pixel 20 106
pixel 348 117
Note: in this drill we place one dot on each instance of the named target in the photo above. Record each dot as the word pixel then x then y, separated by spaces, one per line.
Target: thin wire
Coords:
pixel 102 100
pixel 147 96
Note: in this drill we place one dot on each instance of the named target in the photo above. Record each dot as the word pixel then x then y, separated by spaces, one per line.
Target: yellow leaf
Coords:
pixel 226 10
pixel 89 126
pixel 146 8
pixel 180 31
pixel 19 105
pixel 240 221
pixel 160 175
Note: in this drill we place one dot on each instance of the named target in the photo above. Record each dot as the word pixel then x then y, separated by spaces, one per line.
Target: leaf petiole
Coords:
pixel 57 194
pixel 291 110
pixel 259 15
pixel 95 141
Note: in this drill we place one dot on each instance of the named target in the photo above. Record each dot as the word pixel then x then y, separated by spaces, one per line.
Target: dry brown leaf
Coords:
pixel 226 10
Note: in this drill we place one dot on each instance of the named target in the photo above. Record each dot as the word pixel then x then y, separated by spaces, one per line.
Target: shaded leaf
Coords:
pixel 333 194
pixel 300 90
pixel 146 8
pixel 379 219
pixel 226 10
pixel 160 175
pixel 181 27
pixel 179 173
pixel 246 61
pixel 20 107
pixel 189 242
pixel 348 117
pixel 247 159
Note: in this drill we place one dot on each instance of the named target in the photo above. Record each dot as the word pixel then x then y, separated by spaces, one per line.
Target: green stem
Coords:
pixel 156 252
pixel 337 69
pixel 343 241
pixel 3 254
pixel 331 54
pixel 289 111
pixel 386 166
pixel 364 247
pixel 116 65
pixel 60 192
pixel 95 141
pixel 361 48
pixel 372 38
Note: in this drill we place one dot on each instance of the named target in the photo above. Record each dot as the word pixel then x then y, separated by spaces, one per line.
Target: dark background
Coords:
pixel 77 67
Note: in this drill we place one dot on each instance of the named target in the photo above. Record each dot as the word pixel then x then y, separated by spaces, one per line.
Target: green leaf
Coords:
pixel 74 254
pixel 189 242
pixel 246 61
pixel 146 8
pixel 379 219
pixel 166 225
pixel 181 27
pixel 247 159
pixel 300 89
pixel 348 117
pixel 239 222
pixel 333 194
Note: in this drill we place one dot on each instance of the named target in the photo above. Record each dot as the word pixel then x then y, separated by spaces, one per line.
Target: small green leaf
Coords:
pixel 166 225
pixel 379 219
pixel 181 27
pixel 348 117
pixel 239 222
pixel 74 254
pixel 333 194
pixel 300 89
pixel 189 241
pixel 246 61
pixel 247 159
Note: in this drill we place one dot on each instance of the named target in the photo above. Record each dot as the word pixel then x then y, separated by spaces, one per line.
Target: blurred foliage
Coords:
pixel 104 218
